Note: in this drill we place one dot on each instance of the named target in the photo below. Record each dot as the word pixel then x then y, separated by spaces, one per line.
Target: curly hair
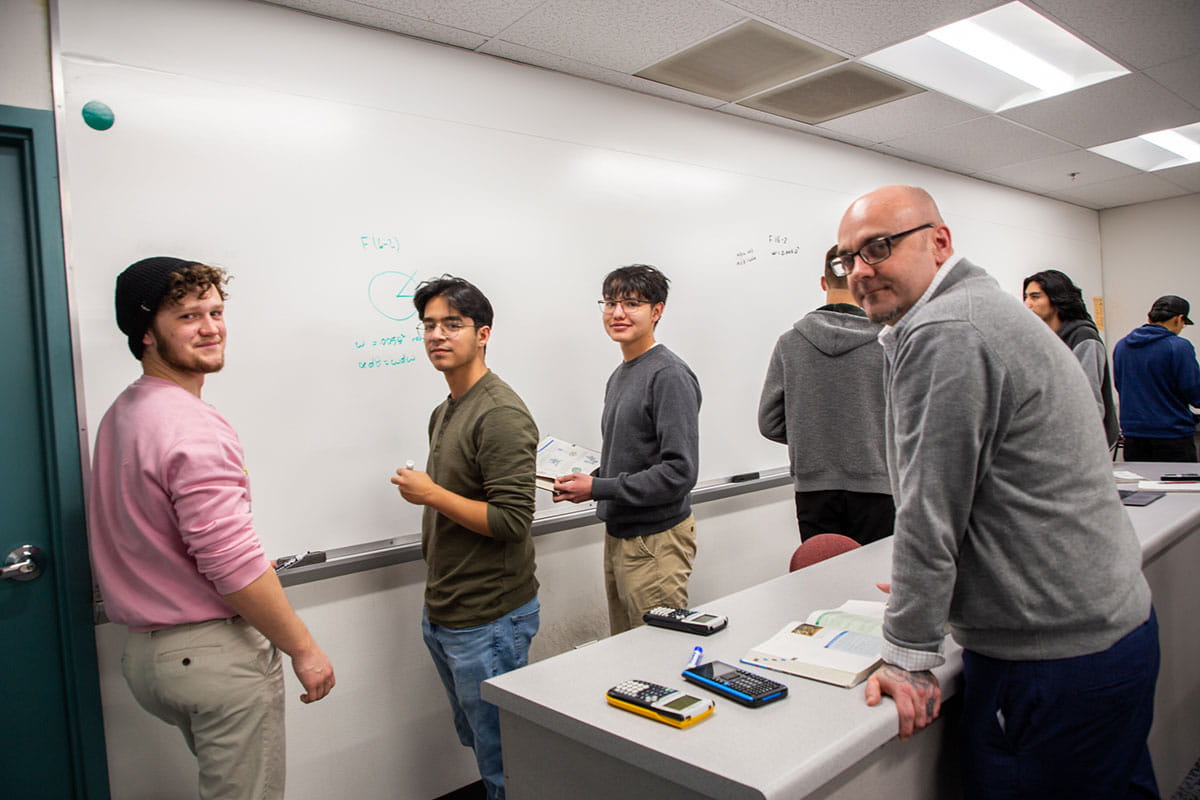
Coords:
pixel 195 279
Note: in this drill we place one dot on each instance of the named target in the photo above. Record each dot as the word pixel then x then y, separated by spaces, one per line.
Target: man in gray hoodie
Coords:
pixel 1008 529
pixel 823 398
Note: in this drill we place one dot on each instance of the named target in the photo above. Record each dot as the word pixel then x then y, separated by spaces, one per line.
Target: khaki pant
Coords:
pixel 647 571
pixel 221 683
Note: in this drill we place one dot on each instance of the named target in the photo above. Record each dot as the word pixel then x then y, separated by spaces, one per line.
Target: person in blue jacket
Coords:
pixel 1157 378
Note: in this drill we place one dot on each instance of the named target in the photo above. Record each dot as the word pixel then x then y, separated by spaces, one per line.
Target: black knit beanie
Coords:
pixel 140 290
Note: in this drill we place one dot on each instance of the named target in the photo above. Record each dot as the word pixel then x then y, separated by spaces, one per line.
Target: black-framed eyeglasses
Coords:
pixel 871 253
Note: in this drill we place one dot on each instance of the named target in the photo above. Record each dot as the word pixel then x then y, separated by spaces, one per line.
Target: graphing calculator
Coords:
pixel 661 703
pixel 684 619
pixel 737 684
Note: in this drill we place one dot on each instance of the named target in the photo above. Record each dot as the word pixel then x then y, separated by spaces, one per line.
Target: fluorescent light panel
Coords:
pixel 1000 59
pixel 1173 147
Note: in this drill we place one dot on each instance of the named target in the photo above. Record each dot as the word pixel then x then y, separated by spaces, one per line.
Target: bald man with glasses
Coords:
pixel 1003 499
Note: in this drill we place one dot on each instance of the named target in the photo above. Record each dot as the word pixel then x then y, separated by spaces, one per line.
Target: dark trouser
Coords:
pixel 1140 448
pixel 1069 727
pixel 863 516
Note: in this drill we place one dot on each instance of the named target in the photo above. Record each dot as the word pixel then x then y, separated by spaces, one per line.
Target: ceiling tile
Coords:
pixel 487 17
pixel 1053 173
pixel 980 145
pixel 1182 77
pixel 1012 183
pixel 911 115
pixel 622 35
pixel 935 159
pixel 1141 33
pixel 1187 176
pixel 1107 112
pixel 526 55
pixel 387 20
pixel 772 119
pixel 858 27
pixel 1140 188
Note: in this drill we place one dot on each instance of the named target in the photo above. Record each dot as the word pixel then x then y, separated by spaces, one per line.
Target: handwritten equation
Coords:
pixel 396 350
pixel 775 246
pixel 375 241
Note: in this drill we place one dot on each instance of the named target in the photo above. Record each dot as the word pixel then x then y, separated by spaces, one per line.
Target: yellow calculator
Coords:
pixel 660 703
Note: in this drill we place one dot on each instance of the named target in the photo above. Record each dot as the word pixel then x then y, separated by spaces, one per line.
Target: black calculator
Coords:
pixel 737 684
pixel 684 619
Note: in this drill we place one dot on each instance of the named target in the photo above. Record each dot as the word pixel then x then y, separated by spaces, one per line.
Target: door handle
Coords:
pixel 23 564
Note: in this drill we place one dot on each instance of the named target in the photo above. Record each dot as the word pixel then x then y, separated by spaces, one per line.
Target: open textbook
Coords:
pixel 556 458
pixel 839 646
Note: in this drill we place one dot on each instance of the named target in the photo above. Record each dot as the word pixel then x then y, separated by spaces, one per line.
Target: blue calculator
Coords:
pixel 737 684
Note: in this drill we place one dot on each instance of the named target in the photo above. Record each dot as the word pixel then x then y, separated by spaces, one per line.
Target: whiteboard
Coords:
pixel 328 215
pixel 329 168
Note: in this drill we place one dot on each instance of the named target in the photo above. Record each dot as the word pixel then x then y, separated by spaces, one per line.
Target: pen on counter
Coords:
pixel 697 654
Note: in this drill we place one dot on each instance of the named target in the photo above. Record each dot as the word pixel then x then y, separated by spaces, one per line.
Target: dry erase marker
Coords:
pixel 697 654
pixel 290 562
pixel 409 464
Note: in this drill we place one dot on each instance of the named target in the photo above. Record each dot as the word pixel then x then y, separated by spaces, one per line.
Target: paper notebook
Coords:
pixel 556 457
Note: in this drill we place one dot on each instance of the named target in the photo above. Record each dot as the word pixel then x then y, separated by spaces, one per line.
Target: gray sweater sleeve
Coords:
pixel 1090 353
pixel 946 397
pixel 772 413
pixel 672 460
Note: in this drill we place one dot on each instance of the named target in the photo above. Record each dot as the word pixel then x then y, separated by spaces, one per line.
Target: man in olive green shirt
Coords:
pixel 481 608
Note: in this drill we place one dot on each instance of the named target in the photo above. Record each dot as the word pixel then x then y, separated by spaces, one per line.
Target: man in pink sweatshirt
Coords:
pixel 174 549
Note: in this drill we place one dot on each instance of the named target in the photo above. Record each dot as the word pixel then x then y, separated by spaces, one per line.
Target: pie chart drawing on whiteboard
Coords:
pixel 391 294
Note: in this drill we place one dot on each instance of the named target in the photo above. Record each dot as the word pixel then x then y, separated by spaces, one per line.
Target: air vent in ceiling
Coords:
pixel 741 61
pixel 832 94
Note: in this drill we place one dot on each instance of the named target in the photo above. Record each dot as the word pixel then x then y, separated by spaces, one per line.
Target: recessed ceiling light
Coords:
pixel 1000 59
pixel 1154 151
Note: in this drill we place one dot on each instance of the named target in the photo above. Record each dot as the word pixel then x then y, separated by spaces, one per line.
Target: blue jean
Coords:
pixel 465 657
pixel 1068 727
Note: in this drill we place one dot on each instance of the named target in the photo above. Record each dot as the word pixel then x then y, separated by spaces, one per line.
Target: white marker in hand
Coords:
pixel 409 464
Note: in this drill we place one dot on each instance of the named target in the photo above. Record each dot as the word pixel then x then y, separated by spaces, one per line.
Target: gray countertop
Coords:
pixel 786 749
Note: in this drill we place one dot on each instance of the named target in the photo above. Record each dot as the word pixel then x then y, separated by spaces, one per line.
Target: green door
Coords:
pixel 51 736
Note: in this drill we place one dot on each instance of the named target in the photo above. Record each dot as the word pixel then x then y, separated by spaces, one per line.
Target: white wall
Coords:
pixel 25 54
pixel 1150 249
pixel 386 729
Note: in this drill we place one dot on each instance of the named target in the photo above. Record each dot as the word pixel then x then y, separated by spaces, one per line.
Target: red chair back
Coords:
pixel 820 547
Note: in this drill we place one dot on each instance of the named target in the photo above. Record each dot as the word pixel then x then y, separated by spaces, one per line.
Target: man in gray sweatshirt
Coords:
pixel 649 459
pixel 823 398
pixel 1009 531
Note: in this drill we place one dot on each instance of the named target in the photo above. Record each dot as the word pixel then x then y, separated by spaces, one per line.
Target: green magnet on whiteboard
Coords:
pixel 97 115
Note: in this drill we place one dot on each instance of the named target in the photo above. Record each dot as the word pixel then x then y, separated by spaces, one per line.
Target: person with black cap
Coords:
pixel 174 549
pixel 1157 378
